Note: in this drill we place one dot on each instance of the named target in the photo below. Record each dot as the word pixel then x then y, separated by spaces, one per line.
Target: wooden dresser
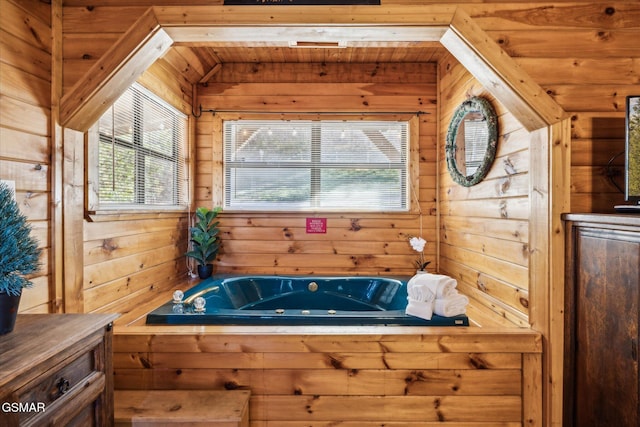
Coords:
pixel 601 330
pixel 56 369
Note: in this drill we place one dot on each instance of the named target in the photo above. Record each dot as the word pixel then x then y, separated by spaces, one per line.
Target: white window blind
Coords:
pixel 140 160
pixel 316 165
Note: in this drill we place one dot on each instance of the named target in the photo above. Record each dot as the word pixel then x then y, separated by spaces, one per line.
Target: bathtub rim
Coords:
pixel 133 322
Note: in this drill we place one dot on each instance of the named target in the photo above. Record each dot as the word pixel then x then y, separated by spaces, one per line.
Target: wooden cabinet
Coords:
pixel 601 332
pixel 56 369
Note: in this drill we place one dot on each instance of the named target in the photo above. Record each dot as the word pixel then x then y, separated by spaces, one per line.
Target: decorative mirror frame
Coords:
pixel 472 104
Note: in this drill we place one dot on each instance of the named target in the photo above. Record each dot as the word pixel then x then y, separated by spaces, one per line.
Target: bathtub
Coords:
pixel 296 300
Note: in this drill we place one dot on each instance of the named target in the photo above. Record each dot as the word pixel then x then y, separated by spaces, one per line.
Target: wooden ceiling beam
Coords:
pixel 116 70
pixel 500 74
pixel 213 71
pixel 150 37
pixel 308 33
pixel 324 16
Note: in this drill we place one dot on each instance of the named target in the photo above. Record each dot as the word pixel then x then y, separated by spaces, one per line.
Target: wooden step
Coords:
pixel 145 408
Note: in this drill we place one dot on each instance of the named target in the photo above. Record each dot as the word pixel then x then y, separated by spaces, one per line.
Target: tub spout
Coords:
pixel 191 298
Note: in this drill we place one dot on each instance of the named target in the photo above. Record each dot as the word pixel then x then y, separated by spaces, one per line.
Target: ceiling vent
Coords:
pixel 318 45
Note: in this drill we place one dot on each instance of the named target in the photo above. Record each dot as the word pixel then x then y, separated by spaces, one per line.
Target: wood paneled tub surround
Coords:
pixel 351 376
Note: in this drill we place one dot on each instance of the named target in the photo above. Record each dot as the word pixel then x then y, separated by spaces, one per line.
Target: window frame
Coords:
pixel 94 208
pixel 219 185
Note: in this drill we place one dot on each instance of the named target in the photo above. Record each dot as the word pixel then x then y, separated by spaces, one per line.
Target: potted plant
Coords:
pixel 19 256
pixel 205 241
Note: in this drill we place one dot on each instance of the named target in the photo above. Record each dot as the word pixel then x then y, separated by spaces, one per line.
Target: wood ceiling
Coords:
pixel 208 58
pixel 380 52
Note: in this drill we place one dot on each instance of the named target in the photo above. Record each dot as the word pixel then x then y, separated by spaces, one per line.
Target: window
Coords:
pixel 302 165
pixel 141 153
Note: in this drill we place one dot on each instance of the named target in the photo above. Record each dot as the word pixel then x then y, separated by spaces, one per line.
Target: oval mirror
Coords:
pixel 471 141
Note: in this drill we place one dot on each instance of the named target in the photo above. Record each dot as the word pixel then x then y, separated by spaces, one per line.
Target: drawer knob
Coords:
pixel 63 385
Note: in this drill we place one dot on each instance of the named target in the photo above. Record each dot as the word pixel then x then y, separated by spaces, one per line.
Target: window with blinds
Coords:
pixel 140 160
pixel 301 165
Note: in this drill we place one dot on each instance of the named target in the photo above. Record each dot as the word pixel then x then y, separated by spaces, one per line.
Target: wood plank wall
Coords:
pixel 345 376
pixel 25 134
pixel 125 258
pixel 560 46
pixel 372 243
pixel 129 258
pixel 582 53
pixel 484 229
pixel 112 262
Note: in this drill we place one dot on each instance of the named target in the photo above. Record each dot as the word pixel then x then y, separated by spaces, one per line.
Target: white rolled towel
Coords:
pixel 442 286
pixel 420 292
pixel 421 309
pixel 453 305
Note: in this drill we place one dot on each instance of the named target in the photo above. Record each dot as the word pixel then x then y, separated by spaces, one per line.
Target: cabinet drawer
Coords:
pixel 60 383
pixel 57 370
pixel 72 409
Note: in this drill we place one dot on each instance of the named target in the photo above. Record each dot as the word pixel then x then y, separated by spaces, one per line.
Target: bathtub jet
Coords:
pixel 295 300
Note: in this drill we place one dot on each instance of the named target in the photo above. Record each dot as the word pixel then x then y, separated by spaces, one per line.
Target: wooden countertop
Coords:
pixel 614 219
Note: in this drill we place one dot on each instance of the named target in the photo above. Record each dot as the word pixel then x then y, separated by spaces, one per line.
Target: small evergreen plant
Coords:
pixel 204 236
pixel 19 252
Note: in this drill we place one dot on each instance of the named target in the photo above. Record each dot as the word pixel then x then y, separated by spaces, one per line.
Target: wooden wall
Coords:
pixel 127 258
pixel 345 376
pixel 123 259
pixel 581 53
pixel 484 229
pixel 372 243
pixel 25 133
pixel 561 46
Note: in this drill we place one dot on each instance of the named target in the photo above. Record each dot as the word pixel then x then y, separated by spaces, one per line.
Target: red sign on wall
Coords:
pixel 316 225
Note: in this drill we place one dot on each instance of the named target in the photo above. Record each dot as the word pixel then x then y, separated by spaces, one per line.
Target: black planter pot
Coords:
pixel 205 271
pixel 8 312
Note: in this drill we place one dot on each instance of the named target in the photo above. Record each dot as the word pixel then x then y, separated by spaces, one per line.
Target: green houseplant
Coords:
pixel 204 240
pixel 19 256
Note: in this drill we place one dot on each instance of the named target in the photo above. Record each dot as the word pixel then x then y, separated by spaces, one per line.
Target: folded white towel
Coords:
pixel 442 286
pixel 453 305
pixel 421 309
pixel 420 292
